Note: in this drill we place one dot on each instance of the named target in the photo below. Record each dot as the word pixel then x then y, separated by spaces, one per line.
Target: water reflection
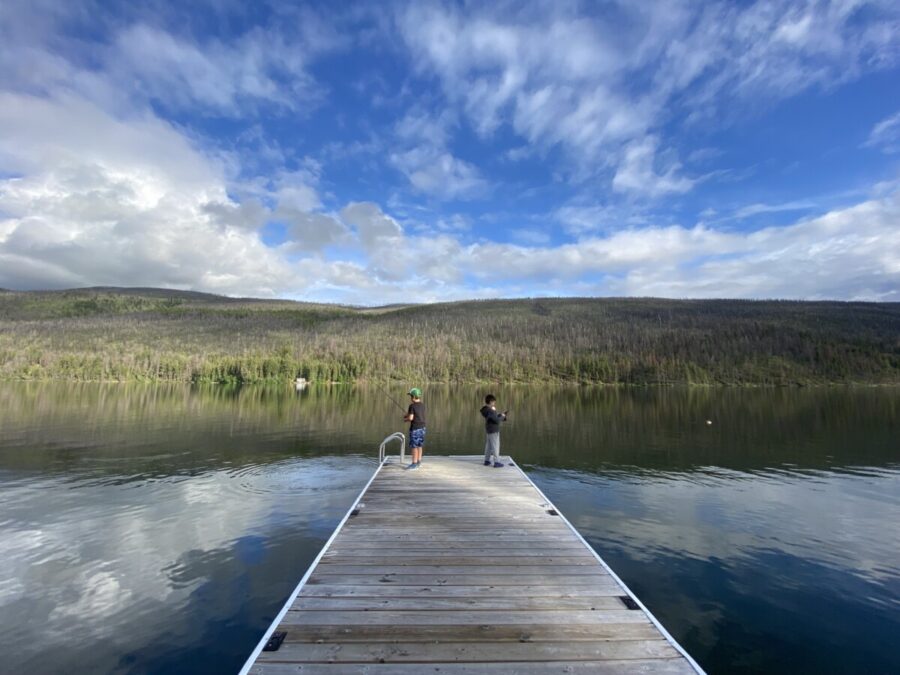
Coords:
pixel 121 562
pixel 762 572
pixel 159 528
pixel 585 428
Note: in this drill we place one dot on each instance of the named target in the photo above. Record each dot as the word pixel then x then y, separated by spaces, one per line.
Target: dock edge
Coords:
pixel 672 641
pixel 248 664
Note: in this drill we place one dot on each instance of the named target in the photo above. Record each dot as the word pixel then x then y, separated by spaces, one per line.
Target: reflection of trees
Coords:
pixel 58 425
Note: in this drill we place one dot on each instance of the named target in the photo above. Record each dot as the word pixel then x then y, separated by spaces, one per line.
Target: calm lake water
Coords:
pixel 148 529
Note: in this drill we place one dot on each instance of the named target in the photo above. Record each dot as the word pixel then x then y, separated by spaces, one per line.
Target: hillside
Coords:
pixel 155 334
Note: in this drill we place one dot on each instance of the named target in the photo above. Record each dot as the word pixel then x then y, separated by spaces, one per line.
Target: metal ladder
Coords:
pixel 387 440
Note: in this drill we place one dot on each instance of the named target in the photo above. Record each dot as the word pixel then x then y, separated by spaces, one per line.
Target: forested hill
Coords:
pixel 154 334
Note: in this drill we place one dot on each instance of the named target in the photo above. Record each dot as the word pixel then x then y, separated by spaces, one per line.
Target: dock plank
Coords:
pixel 459 568
pixel 676 666
pixel 510 561
pixel 343 603
pixel 601 586
pixel 439 580
pixel 479 652
pixel 470 633
pixel 474 617
pixel 416 549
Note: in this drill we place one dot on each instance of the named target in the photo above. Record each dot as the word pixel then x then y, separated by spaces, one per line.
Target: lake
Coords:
pixel 151 529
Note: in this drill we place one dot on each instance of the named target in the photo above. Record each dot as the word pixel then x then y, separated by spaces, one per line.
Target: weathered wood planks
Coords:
pixel 460 568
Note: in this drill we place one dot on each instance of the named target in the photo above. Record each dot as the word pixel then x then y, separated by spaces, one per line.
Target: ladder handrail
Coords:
pixel 394 435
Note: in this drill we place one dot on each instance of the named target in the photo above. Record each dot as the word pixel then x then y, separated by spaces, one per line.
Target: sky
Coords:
pixel 381 152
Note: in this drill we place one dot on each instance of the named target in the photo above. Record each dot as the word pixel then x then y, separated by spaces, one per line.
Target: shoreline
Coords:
pixel 288 384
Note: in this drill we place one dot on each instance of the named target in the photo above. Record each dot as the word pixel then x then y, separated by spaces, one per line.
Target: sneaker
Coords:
pixel 497 465
pixel 487 463
pixel 411 466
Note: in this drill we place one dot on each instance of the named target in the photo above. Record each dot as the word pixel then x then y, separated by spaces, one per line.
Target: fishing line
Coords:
pixel 396 402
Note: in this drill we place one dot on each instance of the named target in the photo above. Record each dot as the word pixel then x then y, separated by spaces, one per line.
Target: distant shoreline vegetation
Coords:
pixel 109 334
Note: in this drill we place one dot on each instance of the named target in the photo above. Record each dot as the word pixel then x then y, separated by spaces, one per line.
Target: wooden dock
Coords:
pixel 460 568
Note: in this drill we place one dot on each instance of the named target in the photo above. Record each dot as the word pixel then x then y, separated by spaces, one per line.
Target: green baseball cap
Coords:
pixel 415 391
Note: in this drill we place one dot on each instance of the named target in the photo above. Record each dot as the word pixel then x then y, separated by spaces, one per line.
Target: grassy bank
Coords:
pixel 152 334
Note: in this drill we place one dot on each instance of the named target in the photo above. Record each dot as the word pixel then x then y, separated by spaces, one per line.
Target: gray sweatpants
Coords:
pixel 492 447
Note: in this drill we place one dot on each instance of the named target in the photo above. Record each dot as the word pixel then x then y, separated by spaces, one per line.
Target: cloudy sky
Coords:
pixel 381 152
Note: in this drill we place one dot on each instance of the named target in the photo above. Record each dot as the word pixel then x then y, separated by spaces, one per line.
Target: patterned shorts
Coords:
pixel 417 438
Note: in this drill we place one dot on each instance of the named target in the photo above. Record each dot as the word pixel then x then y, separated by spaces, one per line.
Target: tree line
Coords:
pixel 157 335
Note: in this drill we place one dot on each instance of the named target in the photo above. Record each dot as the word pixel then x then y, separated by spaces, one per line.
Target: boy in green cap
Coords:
pixel 415 415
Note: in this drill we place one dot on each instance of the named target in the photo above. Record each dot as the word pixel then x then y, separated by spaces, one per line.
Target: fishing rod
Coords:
pixel 396 402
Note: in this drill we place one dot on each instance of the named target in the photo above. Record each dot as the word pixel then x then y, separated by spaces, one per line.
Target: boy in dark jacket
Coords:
pixel 492 421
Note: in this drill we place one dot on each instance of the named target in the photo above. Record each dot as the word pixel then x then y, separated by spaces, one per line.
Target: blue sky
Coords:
pixel 386 152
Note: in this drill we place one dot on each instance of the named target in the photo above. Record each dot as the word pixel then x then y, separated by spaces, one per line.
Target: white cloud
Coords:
pixel 151 56
pixel 395 263
pixel 376 230
pixel 772 49
pixel 453 223
pixel 853 253
pixel 42 133
pixel 617 253
pixel 423 156
pixel 703 155
pixel 518 153
pixel 756 209
pixel 586 219
pixel 439 173
pixel 96 189
pixel 297 195
pixel 603 87
pixel 886 134
pixel 248 215
pixel 311 232
pixel 107 201
pixel 176 73
pixel 532 237
pixel 638 172
pixel 580 220
pixel 100 200
pixel 418 127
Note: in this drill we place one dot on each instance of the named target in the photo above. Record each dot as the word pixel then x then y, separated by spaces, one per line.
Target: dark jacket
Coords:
pixel 492 419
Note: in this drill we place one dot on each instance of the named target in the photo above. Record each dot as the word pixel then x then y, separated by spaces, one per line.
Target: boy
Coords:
pixel 492 421
pixel 415 415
